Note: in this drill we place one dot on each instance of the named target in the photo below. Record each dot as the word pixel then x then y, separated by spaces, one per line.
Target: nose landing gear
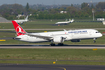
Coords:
pixel 94 40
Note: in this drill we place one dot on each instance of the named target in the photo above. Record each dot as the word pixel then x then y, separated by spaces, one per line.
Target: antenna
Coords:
pixel 93 11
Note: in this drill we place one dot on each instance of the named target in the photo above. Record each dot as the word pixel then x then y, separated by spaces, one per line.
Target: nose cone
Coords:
pixel 100 35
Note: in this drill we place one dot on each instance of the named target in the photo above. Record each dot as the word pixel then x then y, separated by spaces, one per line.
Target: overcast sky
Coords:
pixel 47 2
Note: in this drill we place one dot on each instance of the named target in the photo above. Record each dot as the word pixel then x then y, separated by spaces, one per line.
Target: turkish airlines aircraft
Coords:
pixel 22 20
pixel 57 36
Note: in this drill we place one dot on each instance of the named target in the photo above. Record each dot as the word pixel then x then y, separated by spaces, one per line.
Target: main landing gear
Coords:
pixel 52 44
pixel 59 44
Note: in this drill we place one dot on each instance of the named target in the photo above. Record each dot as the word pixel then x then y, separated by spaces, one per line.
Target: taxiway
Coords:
pixel 55 47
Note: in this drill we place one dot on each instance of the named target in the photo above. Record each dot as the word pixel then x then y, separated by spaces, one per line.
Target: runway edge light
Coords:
pixel 95 49
pixel 45 31
pixel 54 62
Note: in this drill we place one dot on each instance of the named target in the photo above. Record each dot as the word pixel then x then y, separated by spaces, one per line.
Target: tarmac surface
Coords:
pixel 53 47
pixel 49 67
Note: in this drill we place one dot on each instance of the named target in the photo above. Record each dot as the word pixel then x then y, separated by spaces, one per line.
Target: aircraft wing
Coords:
pixel 40 36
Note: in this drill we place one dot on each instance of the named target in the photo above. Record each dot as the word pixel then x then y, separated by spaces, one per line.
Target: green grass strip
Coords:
pixel 48 56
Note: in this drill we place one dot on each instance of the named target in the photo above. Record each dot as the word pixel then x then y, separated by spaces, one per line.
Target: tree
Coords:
pixel 100 6
pixel 71 10
pixel 71 5
pixel 27 7
pixel 84 5
pixel 92 6
pixel 10 11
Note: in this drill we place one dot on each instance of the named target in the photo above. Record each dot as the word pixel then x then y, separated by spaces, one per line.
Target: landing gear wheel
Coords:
pixel 60 44
pixel 94 41
pixel 52 44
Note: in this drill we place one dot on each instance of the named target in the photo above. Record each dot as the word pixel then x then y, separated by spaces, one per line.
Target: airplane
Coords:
pixel 55 36
pixel 103 22
pixel 65 22
pixel 22 20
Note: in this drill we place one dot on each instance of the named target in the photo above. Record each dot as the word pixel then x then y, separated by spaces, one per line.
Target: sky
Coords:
pixel 47 2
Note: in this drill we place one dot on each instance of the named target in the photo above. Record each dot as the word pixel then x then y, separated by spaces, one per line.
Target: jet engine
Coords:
pixel 58 39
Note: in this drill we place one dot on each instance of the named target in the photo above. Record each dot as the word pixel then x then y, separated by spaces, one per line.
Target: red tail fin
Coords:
pixel 19 30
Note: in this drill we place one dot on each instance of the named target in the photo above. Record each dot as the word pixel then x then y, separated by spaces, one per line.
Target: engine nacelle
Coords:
pixel 58 39
pixel 77 40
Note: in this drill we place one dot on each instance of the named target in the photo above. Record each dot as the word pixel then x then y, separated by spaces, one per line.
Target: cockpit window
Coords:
pixel 97 32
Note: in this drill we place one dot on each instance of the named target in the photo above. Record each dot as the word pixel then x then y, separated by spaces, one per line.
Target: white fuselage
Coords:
pixel 67 35
pixel 65 22
pixel 21 21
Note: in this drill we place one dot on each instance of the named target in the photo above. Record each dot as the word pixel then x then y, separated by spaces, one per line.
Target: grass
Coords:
pixel 46 24
pixel 53 54
pixel 72 25
pixel 47 56
pixel 51 62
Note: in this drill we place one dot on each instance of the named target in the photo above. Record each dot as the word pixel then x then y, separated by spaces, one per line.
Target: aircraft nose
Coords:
pixel 100 35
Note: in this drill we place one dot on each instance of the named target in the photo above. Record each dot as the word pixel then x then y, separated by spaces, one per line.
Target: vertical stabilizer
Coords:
pixel 19 30
pixel 26 18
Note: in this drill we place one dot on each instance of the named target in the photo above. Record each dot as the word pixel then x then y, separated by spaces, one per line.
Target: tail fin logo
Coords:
pixel 20 31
